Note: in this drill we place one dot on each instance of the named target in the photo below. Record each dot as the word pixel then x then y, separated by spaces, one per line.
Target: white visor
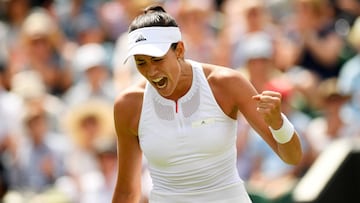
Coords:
pixel 152 41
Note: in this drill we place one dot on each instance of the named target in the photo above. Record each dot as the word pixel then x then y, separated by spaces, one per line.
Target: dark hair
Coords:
pixel 153 16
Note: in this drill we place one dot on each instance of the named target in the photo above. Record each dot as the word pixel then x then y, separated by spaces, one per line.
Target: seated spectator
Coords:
pixel 92 76
pixel 258 50
pixel 312 30
pixel 330 125
pixel 41 51
pixel 98 186
pixel 85 124
pixel 30 88
pixel 257 24
pixel 91 162
pixel 39 164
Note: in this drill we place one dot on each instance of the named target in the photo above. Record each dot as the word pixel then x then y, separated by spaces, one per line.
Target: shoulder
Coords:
pixel 130 98
pixel 224 77
pixel 217 72
pixel 231 89
pixel 127 107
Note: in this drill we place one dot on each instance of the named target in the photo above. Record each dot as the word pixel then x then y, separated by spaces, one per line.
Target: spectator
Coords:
pixel 14 14
pixel 256 22
pixel 93 81
pixel 257 50
pixel 330 125
pixel 195 17
pixel 76 17
pixel 85 123
pixel 42 51
pixel 30 88
pixel 312 30
pixel 98 186
pixel 81 23
pixel 42 110
pixel 40 164
pixel 115 15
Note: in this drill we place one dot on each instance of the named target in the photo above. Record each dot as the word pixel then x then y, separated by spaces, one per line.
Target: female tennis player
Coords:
pixel 184 120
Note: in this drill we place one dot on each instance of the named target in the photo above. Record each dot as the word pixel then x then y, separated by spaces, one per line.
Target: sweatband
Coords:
pixel 152 41
pixel 285 132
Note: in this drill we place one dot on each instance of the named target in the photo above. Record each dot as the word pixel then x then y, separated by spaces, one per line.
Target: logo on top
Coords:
pixel 140 38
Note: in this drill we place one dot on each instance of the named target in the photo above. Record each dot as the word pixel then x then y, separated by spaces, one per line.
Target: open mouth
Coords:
pixel 160 82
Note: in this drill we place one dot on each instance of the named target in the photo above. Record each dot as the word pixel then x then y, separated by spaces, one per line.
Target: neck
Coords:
pixel 185 80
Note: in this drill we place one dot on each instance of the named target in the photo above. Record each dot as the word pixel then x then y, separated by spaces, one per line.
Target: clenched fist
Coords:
pixel 269 105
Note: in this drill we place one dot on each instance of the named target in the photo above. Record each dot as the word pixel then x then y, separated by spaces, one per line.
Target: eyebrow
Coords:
pixel 140 59
pixel 153 57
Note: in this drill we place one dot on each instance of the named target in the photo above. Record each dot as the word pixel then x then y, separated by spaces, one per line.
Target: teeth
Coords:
pixel 157 79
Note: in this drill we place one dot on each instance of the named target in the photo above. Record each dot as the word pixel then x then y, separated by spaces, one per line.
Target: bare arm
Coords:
pixel 234 93
pixel 126 114
pixel 268 106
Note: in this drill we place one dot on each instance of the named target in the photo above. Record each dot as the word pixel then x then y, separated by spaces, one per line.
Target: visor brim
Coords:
pixel 153 50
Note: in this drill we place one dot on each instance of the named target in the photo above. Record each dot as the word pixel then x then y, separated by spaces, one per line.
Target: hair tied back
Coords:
pixel 154 8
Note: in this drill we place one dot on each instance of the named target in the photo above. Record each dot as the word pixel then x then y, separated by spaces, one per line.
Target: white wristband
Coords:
pixel 285 133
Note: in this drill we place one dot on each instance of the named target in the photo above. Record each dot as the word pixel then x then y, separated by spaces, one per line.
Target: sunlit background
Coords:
pixel 61 69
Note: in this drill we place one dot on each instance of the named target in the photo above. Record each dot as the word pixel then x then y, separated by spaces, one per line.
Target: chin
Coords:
pixel 165 92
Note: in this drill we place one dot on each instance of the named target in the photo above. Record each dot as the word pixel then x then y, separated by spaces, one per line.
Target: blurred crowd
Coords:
pixel 61 66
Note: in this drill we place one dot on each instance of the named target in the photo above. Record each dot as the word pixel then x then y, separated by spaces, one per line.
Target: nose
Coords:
pixel 152 70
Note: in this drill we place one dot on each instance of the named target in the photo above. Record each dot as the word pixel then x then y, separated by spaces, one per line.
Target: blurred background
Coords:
pixel 61 68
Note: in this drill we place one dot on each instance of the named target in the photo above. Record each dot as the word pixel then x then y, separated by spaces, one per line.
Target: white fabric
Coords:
pixel 285 132
pixel 152 41
pixel 191 153
pixel 221 195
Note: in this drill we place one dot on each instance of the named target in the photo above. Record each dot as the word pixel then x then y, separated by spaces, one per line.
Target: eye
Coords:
pixel 157 59
pixel 140 62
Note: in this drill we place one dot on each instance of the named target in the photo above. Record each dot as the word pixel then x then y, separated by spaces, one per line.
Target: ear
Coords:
pixel 180 50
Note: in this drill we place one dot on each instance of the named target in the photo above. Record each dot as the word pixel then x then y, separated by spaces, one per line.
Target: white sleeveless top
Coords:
pixel 190 146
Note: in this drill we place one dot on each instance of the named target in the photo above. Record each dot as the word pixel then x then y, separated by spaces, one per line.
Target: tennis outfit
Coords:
pixel 190 146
